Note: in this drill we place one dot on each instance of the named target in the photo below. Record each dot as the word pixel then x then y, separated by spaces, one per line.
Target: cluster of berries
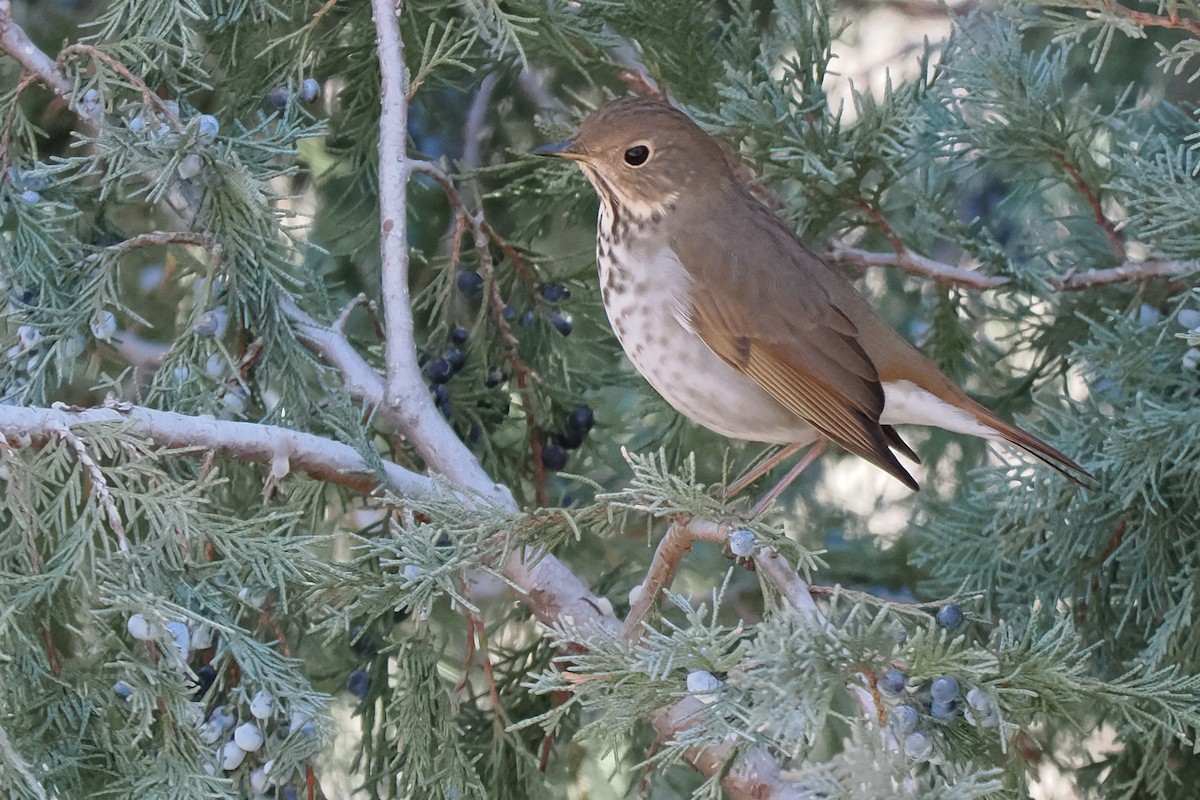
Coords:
pixel 244 733
pixel 579 424
pixel 24 357
pixel 440 370
pixel 934 701
pixel 470 283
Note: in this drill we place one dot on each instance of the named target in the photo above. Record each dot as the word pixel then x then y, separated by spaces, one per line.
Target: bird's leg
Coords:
pixel 804 463
pixel 762 468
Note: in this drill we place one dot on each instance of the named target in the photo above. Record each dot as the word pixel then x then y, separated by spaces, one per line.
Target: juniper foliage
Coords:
pixel 215 165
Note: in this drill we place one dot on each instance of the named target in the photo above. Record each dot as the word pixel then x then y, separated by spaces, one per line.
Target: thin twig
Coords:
pixel 339 322
pixel 1146 19
pixel 1115 242
pixel 148 95
pixel 916 264
pixel 323 10
pixel 149 238
pixel 482 235
pixel 885 227
pixel 1133 271
pixel 489 673
pixel 674 545
pixel 475 124
pixel 27 80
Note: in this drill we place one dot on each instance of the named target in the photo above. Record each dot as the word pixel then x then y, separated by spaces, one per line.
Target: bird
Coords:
pixel 736 321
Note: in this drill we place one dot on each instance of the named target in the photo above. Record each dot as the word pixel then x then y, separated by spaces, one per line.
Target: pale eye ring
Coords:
pixel 637 155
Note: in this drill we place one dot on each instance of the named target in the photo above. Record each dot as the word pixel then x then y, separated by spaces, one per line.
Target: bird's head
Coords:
pixel 644 155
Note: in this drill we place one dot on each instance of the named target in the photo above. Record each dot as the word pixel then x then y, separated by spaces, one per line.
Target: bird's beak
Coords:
pixel 564 149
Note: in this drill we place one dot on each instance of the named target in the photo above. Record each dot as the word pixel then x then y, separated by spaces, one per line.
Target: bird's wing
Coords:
pixel 776 323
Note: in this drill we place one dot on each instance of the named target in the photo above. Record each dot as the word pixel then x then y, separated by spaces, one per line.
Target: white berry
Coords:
pixel 212 323
pixel 235 399
pixel 104 325
pixel 248 737
pixel 210 733
pixel 918 746
pixel 181 637
pixel 89 104
pixel 703 684
pixel 258 780
pixel 141 628
pixel 741 542
pixel 203 637
pixel 208 127
pixel 28 336
pixel 232 756
pixel 262 706
pixel 1191 359
pixel 72 346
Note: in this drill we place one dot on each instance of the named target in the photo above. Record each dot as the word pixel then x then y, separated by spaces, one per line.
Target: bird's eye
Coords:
pixel 637 155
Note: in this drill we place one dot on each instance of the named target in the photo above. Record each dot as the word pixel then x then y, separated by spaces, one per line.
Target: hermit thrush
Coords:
pixel 734 320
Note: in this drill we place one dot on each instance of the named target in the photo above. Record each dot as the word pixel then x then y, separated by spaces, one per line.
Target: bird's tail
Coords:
pixel 1050 456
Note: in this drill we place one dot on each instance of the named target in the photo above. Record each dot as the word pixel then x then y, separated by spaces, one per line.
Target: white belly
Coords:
pixel 645 295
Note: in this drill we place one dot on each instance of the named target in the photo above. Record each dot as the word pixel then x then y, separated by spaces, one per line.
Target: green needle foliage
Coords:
pixel 179 619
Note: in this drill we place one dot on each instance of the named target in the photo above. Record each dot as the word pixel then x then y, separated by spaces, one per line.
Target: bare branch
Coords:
pixel 339 322
pixel 406 399
pixel 394 169
pixel 1146 19
pixel 794 589
pixel 671 550
pixel 1115 242
pixel 1129 271
pixel 168 237
pixel 916 264
pixel 32 59
pixel 361 380
pixel 322 458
